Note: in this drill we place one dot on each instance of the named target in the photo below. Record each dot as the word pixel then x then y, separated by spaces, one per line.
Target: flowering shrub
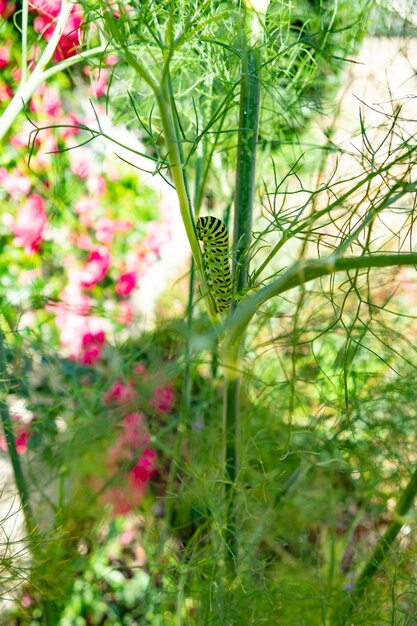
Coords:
pixel 78 234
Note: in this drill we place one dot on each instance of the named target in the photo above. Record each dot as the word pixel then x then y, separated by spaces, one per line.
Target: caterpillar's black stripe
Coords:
pixel 213 233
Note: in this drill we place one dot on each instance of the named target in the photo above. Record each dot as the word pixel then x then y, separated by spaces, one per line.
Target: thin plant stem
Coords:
pixel 177 172
pixel 244 194
pixel 8 430
pixel 27 89
pixel 382 548
pixel 297 275
pixel 231 415
pixel 245 166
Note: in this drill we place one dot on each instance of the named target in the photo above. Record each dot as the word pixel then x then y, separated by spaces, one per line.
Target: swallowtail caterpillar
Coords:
pixel 213 233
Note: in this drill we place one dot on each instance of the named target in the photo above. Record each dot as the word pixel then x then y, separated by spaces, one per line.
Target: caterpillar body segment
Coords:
pixel 213 233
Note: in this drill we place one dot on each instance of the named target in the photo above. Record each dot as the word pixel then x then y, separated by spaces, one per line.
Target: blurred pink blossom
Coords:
pixel 86 205
pixel 47 11
pixel 47 101
pixel 21 433
pixel 86 208
pixel 27 277
pixel 81 162
pixel 162 399
pixel 26 601
pixel 22 138
pixel 96 267
pixel 48 147
pixel 6 92
pixel 72 123
pixel 98 87
pixel 123 226
pixel 16 184
pixel 83 241
pixel 144 469
pixel 119 393
pixel 111 59
pixel 33 56
pixel 83 336
pixel 74 299
pixel 4 56
pixel 6 9
pixel 91 346
pixel 140 368
pixel 133 438
pixel 105 229
pixel 29 227
pixel 17 74
pixel 96 185
pixel 126 284
pixel 50 8
pixel 125 313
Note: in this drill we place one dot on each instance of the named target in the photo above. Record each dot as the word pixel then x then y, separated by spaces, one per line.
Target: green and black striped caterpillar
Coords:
pixel 213 233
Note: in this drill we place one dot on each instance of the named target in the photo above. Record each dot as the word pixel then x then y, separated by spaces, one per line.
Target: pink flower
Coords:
pixel 6 92
pixel 82 241
pixel 33 56
pixel 86 205
pixel 16 184
pixel 105 229
pixel 81 162
pixel 30 224
pixel 91 346
pixel 140 367
pixel 119 393
pixel 44 24
pixel 133 437
pixel 125 314
pixel 47 149
pixel 98 87
pixel 4 57
pixel 81 335
pixel 50 8
pixel 126 284
pixel 134 433
pixel 123 226
pixel 51 103
pixel 22 138
pixel 86 208
pixel 132 440
pixel 162 399
pixel 71 38
pixel 72 123
pixel 17 74
pixel 144 469
pixel 74 299
pixel 21 433
pixel 96 268
pixel 96 185
pixel 6 9
pixel 111 59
